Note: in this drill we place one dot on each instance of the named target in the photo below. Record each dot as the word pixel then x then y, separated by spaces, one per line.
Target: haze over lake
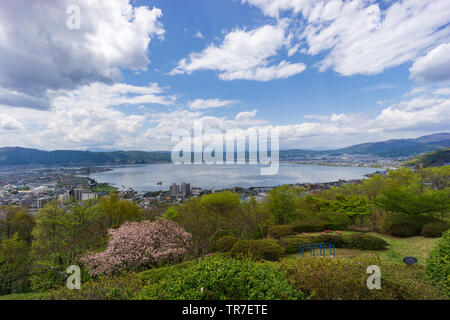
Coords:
pixel 146 177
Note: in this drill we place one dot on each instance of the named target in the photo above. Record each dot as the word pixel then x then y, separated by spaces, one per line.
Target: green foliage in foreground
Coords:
pixel 345 279
pixel 222 278
pixel 438 262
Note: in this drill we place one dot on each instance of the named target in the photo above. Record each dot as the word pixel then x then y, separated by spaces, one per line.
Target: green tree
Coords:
pixel 14 265
pixel 283 204
pixel 402 200
pixel 16 220
pixel 201 224
pixel 354 206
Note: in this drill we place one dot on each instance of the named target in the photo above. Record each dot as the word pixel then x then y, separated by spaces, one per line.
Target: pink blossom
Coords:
pixel 137 244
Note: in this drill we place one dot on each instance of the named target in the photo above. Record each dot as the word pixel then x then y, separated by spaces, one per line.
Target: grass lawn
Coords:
pixel 398 248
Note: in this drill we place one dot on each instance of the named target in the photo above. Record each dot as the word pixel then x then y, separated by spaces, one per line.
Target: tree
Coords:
pixel 16 220
pixel 354 206
pixel 402 200
pixel 171 213
pixel 201 224
pixel 282 203
pixel 139 244
pixel 49 247
pixel 14 265
pixel 112 212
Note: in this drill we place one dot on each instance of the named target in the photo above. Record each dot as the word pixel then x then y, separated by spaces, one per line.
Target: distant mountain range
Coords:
pixel 389 148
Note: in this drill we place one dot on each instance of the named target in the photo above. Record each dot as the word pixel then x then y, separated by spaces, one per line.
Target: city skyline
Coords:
pixel 326 74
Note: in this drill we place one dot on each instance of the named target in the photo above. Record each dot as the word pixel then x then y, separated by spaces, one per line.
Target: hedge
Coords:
pixel 437 265
pixel 267 249
pixel 403 225
pixel 352 241
pixel 280 231
pixel 225 243
pixel 434 229
pixel 345 279
pixel 220 278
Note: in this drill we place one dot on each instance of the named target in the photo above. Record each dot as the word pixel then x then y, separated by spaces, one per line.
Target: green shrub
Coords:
pixel 404 225
pixel 102 288
pixel 364 242
pixel 437 265
pixel 292 244
pixel 156 274
pixel 280 231
pixel 352 241
pixel 337 279
pixel 434 229
pixel 221 278
pixel 339 221
pixel 314 225
pixel 225 243
pixel 400 225
pixel 267 249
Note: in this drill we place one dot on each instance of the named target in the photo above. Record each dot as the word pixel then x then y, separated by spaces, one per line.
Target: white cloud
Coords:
pixel 199 35
pixel 358 37
pixel 244 55
pixel 38 52
pixel 8 123
pixel 434 66
pixel 210 103
pixel 246 115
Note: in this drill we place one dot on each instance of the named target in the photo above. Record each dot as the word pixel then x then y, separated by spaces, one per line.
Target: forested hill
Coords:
pixel 389 148
pixel 24 156
pixel 432 159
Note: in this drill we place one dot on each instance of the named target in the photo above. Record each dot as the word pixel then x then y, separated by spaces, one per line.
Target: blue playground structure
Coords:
pixel 321 246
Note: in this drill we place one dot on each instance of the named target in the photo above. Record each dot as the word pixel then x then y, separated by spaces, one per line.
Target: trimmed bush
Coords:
pixel 221 278
pixel 403 225
pixel 267 249
pixel 314 225
pixel 400 225
pixel 292 244
pixel 345 279
pixel 437 265
pixel 280 231
pixel 364 242
pixel 352 241
pixel 156 274
pixel 225 243
pixel 434 229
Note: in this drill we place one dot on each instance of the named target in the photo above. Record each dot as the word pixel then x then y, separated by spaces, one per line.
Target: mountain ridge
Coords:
pixel 388 148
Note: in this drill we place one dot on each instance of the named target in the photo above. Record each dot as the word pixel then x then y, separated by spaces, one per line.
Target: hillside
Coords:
pixel 24 156
pixel 389 148
pixel 431 159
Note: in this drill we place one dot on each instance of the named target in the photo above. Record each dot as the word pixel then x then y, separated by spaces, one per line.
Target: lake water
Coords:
pixel 146 177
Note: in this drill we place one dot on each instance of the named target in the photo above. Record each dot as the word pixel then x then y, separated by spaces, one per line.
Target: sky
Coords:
pixel 126 74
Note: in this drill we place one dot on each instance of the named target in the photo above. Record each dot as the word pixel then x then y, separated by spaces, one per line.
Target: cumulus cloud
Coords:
pixel 360 37
pixel 210 103
pixel 8 123
pixel 38 52
pixel 245 55
pixel 434 66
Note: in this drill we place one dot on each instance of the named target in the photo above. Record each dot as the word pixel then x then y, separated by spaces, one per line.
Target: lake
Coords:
pixel 146 177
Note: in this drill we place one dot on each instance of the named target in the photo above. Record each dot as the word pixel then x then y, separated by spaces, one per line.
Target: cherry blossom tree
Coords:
pixel 137 244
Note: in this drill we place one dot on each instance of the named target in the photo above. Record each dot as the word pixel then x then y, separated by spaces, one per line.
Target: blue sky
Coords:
pixel 326 74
